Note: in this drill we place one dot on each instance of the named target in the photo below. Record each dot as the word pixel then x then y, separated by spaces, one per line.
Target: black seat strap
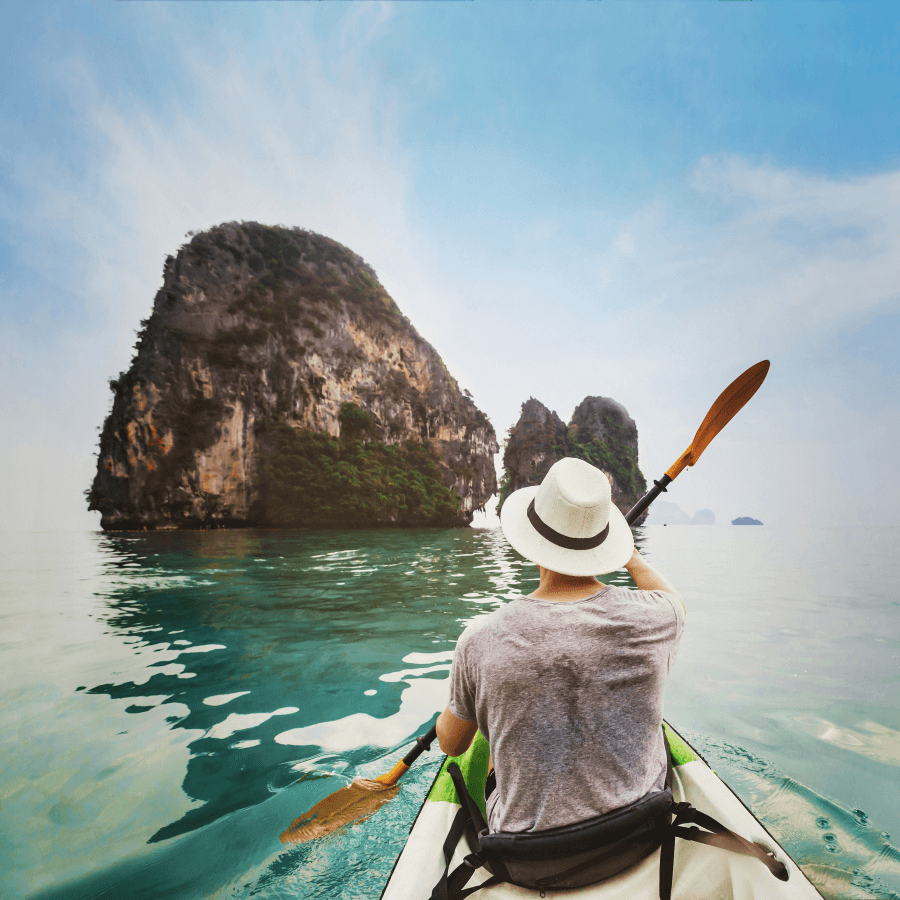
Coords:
pixel 453 887
pixel 465 798
pixel 468 819
pixel 441 891
pixel 717 835
pixel 667 848
pixel 463 873
pixel 667 851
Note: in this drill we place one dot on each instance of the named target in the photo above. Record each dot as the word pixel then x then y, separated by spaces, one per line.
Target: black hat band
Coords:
pixel 563 540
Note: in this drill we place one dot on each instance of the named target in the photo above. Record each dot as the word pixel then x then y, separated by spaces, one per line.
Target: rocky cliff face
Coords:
pixel 277 383
pixel 601 432
pixel 535 442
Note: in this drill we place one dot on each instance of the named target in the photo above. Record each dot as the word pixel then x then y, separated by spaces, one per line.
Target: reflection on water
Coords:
pixel 281 616
pixel 233 664
pixel 181 698
pixel 870 739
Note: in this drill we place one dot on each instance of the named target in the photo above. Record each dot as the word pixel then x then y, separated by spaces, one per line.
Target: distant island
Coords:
pixel 745 520
pixel 277 384
pixel 601 432
pixel 664 512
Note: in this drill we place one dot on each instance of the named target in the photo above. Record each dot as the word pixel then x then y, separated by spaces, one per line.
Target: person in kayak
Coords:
pixel 567 684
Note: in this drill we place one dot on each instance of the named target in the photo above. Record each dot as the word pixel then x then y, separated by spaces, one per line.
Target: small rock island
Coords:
pixel 277 384
pixel 601 432
pixel 745 520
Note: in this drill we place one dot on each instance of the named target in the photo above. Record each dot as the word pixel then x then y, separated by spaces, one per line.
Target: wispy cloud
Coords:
pixel 812 251
pixel 781 264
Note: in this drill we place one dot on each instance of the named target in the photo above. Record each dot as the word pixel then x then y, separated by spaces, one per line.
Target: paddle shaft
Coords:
pixel 423 743
pixel 637 510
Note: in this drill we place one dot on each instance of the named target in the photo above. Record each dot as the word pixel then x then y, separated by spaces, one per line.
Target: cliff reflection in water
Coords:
pixel 262 634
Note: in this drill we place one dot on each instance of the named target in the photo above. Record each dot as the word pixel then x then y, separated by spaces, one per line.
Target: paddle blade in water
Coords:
pixel 352 803
pixel 726 407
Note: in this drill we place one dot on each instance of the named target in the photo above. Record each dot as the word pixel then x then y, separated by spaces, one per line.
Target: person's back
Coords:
pixel 567 684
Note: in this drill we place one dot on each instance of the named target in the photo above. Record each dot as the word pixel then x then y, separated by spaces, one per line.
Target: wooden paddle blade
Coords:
pixel 728 404
pixel 354 802
pixel 726 407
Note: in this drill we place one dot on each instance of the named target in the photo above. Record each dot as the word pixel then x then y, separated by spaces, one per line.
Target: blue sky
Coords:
pixel 637 200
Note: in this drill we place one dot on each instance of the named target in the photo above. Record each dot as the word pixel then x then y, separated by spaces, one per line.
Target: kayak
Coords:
pixel 700 871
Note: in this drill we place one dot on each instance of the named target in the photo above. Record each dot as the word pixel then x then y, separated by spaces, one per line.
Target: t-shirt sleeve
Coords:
pixel 666 611
pixel 678 609
pixel 462 688
pixel 673 602
pixel 664 618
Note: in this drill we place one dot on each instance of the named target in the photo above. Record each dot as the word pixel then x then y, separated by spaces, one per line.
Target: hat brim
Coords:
pixel 612 554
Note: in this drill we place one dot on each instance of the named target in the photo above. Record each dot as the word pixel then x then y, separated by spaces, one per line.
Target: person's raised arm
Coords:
pixel 648 579
pixel 454 734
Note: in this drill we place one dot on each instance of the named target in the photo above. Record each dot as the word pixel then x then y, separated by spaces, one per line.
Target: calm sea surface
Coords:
pixel 173 701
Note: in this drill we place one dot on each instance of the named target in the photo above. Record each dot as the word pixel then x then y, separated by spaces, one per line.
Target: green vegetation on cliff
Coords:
pixel 601 433
pixel 613 455
pixel 285 291
pixel 310 479
pixel 505 489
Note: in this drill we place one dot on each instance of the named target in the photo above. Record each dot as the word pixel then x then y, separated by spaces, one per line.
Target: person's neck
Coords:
pixel 565 588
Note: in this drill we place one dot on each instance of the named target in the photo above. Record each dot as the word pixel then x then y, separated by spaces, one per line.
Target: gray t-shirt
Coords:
pixel 570 698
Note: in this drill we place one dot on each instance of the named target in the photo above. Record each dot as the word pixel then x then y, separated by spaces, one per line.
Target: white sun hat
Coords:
pixel 569 523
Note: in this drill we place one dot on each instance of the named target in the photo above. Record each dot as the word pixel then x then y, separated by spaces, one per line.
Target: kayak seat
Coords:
pixel 585 852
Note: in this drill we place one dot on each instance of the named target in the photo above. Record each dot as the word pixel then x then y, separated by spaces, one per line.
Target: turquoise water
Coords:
pixel 173 701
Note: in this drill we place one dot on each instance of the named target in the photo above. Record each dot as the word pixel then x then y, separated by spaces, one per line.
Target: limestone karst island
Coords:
pixel 601 432
pixel 277 384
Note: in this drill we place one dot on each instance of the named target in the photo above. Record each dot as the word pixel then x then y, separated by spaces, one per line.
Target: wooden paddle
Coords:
pixel 726 407
pixel 355 801
pixel 362 797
